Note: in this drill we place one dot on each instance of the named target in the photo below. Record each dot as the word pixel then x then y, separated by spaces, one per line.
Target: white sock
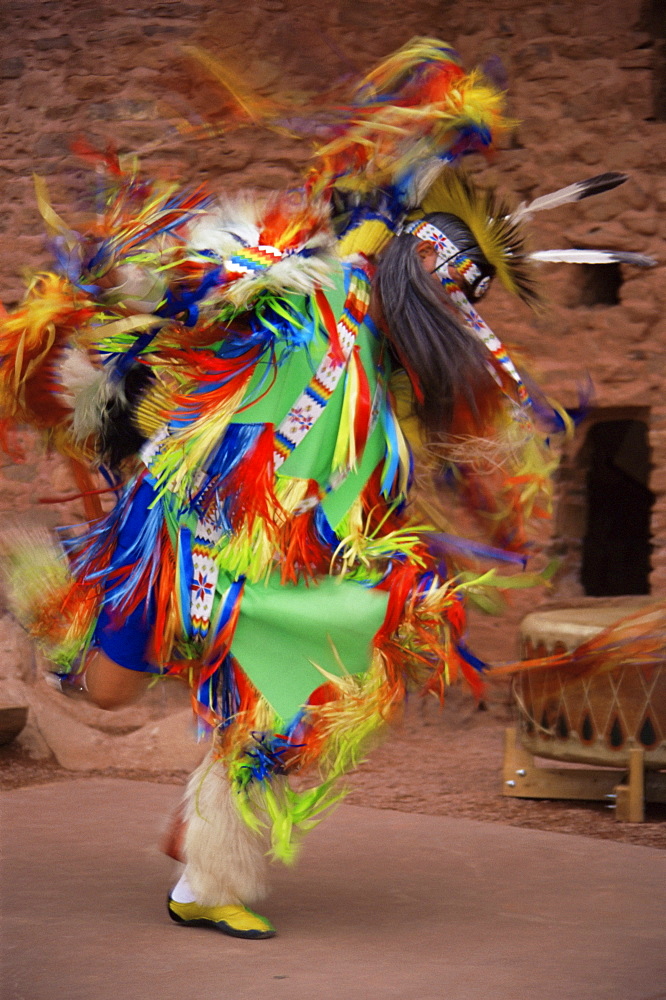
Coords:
pixel 182 892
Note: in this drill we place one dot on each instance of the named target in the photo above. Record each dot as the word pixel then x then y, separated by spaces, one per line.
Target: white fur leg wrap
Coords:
pixel 225 860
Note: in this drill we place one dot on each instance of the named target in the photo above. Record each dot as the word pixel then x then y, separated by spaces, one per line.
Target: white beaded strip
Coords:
pixel 445 248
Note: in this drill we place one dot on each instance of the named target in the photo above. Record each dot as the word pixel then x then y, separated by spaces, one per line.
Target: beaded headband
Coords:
pixel 445 248
pixel 447 251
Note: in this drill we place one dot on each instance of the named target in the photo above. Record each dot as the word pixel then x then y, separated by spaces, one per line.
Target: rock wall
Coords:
pixel 585 82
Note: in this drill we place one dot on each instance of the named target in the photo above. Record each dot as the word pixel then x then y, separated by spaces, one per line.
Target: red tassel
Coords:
pixel 204 367
pixel 400 584
pixel 472 677
pixel 83 149
pixel 162 637
pixel 303 556
pixel 91 501
pixel 363 406
pixel 432 86
pixel 326 312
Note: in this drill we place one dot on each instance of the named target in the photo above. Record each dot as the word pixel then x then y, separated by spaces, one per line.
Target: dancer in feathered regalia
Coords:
pixel 242 371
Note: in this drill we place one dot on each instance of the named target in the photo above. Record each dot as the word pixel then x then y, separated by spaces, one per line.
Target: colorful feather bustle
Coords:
pixel 55 611
pixel 33 340
pixel 418 105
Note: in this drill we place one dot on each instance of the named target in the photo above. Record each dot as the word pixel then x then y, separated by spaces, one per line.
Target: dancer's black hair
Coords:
pixel 438 353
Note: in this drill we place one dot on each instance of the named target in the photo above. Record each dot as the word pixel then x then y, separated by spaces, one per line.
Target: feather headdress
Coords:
pixel 500 233
pixel 572 192
pixel 565 196
pixel 576 256
pixel 498 236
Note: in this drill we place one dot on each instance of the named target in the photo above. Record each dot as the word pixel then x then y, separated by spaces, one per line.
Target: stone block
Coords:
pixel 89 86
pixel 102 110
pixel 61 112
pixel 638 59
pixel 52 144
pixel 571 47
pixel 12 68
pixel 558 19
pixel 52 42
pixel 157 30
pixel 612 235
pixel 8 220
pixel 534 55
pixel 37 88
pixel 643 313
pixel 637 193
pixel 658 484
pixel 628 154
pixel 591 151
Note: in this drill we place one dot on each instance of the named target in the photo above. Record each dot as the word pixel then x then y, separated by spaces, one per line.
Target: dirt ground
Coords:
pixel 437 762
pixel 449 763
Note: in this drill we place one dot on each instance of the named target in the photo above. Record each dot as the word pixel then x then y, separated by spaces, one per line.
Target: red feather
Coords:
pixel 363 405
pixel 326 312
pixel 252 485
pixel 303 556
pixel 163 593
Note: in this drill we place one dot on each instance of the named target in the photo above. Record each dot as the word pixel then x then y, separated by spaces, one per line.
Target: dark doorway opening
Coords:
pixel 616 546
pixel 599 284
pixel 653 21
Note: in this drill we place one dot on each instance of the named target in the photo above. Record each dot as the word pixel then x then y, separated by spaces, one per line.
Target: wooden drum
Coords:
pixel 596 720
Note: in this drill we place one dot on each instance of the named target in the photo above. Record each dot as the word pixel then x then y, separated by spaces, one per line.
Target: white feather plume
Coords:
pixel 233 223
pixel 425 175
pixel 592 257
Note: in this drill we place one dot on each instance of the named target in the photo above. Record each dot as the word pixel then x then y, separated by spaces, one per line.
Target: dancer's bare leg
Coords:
pixel 111 686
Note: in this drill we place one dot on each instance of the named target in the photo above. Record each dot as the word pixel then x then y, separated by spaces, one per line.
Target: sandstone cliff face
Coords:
pixel 584 82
